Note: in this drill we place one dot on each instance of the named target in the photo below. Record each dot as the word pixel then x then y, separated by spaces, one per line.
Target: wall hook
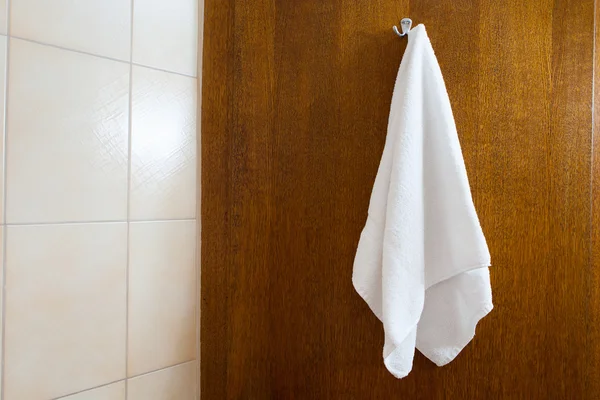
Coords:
pixel 406 23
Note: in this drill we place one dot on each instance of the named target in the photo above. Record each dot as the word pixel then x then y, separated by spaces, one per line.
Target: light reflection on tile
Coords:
pixel 163 146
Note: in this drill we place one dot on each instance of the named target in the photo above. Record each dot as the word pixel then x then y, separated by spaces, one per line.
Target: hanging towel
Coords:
pixel 422 260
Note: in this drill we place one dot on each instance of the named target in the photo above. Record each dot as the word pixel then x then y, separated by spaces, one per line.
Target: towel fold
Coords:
pixel 422 260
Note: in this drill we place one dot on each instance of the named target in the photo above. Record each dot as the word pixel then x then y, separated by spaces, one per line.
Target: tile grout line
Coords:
pixel 129 153
pixel 85 390
pixel 163 70
pixel 98 55
pixel 56 46
pixel 123 380
pixel 4 197
pixel 162 369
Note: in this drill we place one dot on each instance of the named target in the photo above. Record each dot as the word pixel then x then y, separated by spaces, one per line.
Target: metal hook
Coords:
pixel 406 23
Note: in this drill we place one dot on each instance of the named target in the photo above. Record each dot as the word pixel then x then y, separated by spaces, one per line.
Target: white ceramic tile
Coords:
pixel 65 308
pixel 3 20
pixel 165 34
pixel 116 391
pixel 163 146
pixel 2 88
pixel 67 135
pixel 175 383
pixel 1 286
pixel 100 27
pixel 162 295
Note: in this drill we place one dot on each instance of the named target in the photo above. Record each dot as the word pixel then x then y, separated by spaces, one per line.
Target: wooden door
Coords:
pixel 295 103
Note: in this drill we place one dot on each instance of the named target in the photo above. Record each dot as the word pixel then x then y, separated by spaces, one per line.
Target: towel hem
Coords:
pixel 486 264
pixel 485 310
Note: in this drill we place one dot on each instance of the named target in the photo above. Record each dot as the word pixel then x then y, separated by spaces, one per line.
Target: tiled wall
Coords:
pixel 98 199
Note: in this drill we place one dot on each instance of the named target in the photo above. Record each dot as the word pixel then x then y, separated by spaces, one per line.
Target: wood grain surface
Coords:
pixel 295 101
pixel 593 288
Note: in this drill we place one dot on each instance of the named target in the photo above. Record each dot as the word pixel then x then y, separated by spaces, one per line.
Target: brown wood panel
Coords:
pixel 251 201
pixel 216 123
pixel 295 101
pixel 569 194
pixel 593 288
pixel 534 160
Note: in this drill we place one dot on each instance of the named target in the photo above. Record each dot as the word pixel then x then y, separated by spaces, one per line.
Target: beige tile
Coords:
pixel 165 34
pixel 3 20
pixel 67 136
pixel 1 286
pixel 100 27
pixel 65 308
pixel 162 295
pixel 2 88
pixel 163 146
pixel 175 383
pixel 116 391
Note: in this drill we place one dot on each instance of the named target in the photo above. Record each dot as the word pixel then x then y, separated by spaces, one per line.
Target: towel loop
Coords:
pixel 405 23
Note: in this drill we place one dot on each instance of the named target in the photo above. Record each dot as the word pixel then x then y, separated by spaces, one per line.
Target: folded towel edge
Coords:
pixel 485 309
pixel 470 267
pixel 366 298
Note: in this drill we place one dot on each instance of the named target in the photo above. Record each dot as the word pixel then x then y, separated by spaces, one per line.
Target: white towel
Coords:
pixel 422 260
